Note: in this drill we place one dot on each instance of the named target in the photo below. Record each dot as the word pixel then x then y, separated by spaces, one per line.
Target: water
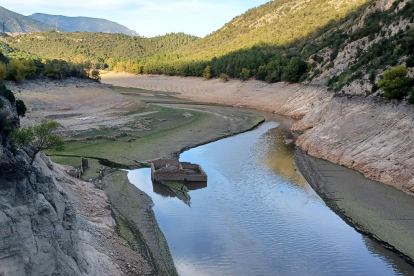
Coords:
pixel 258 216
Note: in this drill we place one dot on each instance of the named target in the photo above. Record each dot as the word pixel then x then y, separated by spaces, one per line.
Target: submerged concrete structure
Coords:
pixel 174 170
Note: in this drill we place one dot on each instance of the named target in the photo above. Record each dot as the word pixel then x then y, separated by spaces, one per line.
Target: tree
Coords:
pixel 395 82
pixel 3 71
pixel 224 77
pixel 21 108
pixel 40 137
pixel 207 72
pixel 95 75
pixel 245 74
pixel 295 69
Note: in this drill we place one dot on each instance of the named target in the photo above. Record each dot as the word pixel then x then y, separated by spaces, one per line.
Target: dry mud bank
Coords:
pixel 367 205
pixel 365 134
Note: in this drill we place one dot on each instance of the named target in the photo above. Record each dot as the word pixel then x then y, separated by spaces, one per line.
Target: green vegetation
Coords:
pixel 20 69
pixel 40 137
pixel 395 83
pixel 104 50
pixel 21 108
pixel 386 50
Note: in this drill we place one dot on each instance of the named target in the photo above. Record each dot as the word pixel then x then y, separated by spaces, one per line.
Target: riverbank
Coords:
pixel 367 134
pixel 119 128
pixel 368 206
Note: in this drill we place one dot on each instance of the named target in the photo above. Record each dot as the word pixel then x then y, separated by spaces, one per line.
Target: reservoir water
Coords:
pixel 258 216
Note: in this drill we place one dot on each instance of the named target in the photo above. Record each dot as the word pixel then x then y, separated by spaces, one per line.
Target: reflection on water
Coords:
pixel 191 186
pixel 276 143
pixel 257 216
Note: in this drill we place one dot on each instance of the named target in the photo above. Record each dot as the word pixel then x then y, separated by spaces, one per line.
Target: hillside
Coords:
pixel 275 23
pixel 17 23
pixel 94 46
pixel 83 24
pixel 345 45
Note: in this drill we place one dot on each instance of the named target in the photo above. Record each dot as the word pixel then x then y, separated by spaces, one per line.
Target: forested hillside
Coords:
pixel 346 45
pixel 83 24
pixel 99 47
pixel 17 23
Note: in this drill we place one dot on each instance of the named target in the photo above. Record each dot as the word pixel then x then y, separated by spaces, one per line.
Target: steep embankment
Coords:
pixel 51 224
pixel 366 134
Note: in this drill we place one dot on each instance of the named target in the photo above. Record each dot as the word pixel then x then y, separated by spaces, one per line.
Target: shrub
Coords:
pixel 7 94
pixel 245 74
pixel 207 72
pixel 20 69
pixel 224 77
pixel 3 71
pixel 95 75
pixel 21 108
pixel 295 69
pixel 40 136
pixel 411 98
pixel 1 104
pixel 395 82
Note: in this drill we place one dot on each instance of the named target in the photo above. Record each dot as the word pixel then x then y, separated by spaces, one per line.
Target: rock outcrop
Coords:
pixel 41 231
pixel 367 134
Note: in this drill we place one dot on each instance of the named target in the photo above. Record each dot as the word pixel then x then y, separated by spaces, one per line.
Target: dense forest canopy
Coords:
pixel 97 47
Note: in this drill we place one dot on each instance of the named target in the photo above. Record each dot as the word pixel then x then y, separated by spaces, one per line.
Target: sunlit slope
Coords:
pixel 95 46
pixel 277 23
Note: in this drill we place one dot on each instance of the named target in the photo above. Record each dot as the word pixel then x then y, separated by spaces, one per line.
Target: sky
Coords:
pixel 148 17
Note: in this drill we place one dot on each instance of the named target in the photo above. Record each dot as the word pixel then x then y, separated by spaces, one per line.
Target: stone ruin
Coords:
pixel 174 170
pixel 77 173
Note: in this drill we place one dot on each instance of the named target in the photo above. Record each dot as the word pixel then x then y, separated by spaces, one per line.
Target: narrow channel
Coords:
pixel 258 216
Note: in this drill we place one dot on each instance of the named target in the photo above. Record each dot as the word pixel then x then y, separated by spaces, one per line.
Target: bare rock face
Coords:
pixel 41 233
pixel 366 134
pixel 38 227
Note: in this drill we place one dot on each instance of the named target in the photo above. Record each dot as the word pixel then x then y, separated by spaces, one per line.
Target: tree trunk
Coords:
pixel 33 157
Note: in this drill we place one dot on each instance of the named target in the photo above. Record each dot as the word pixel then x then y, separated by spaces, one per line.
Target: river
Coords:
pixel 258 216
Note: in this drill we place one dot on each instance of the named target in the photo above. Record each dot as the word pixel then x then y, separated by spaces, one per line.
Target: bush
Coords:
pixel 95 75
pixel 245 74
pixel 224 77
pixel 207 72
pixel 3 71
pixel 395 82
pixel 295 69
pixel 20 69
pixel 7 94
pixel 21 108
pixel 1 104
pixel 411 98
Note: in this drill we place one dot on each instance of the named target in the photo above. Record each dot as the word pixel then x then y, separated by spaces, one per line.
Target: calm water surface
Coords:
pixel 258 216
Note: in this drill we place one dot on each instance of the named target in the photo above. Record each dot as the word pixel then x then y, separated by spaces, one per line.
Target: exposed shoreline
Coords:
pixel 365 134
pixel 131 208
pixel 366 205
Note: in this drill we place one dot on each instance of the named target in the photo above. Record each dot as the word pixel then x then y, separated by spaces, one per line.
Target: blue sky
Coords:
pixel 147 17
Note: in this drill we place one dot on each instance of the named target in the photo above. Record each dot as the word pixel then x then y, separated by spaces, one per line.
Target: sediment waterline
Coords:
pixel 345 130
pixel 379 211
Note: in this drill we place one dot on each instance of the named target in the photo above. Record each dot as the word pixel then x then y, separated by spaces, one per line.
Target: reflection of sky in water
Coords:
pixel 257 216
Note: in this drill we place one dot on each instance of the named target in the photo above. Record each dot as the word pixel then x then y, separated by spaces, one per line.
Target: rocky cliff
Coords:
pixel 41 232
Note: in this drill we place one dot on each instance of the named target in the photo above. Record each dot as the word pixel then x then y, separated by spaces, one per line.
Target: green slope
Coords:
pixel 94 46
pixel 275 23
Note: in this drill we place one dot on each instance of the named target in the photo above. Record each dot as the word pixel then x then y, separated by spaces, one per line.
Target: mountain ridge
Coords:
pixel 18 23
pixel 83 24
